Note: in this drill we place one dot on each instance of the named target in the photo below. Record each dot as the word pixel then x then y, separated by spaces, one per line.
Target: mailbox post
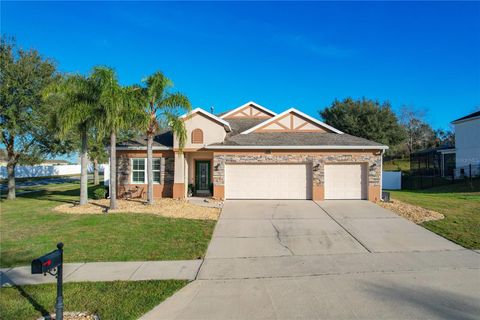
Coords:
pixel 52 263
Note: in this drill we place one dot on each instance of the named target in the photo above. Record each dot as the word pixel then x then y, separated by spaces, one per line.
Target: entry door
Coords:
pixel 202 179
pixel 346 181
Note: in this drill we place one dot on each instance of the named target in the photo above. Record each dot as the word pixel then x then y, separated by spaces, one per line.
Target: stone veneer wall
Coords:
pixel 167 166
pixel 374 163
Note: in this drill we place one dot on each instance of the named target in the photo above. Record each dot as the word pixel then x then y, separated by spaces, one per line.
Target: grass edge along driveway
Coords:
pixel 460 203
pixel 119 300
pixel 30 228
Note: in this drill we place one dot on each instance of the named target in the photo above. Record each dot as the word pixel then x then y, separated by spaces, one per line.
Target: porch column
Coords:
pixel 179 176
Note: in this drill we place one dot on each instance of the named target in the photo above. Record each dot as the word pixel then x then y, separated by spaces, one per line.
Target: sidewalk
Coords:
pixel 106 271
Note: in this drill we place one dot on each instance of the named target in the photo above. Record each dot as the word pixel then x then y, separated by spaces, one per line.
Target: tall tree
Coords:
pixel 419 133
pixel 365 118
pixel 24 74
pixel 163 109
pixel 119 108
pixel 74 99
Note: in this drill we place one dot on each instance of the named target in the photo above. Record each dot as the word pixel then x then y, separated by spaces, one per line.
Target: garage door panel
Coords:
pixel 345 181
pixel 268 181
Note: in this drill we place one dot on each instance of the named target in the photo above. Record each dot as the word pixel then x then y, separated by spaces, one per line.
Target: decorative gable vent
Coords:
pixel 197 136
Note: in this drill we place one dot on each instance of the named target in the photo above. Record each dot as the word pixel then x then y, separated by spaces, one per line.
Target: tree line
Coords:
pixel 405 132
pixel 45 112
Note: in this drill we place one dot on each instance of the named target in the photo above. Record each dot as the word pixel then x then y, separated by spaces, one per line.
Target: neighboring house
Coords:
pixel 53 162
pixel 253 153
pixel 467 145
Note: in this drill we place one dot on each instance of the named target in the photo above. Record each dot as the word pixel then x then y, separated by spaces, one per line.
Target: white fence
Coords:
pixel 391 180
pixel 44 171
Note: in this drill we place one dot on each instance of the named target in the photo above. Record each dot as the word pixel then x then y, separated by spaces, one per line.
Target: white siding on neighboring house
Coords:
pixel 467 142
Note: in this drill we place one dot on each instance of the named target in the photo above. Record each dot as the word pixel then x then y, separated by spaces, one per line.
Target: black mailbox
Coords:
pixel 47 262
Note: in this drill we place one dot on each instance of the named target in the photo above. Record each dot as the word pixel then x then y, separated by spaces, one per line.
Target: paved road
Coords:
pixel 332 259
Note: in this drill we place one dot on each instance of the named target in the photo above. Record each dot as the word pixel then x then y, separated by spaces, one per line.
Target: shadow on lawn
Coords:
pixel 35 304
pixel 62 196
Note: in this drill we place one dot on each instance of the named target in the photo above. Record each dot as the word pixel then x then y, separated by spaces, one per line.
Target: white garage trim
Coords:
pixel 268 181
pixel 346 181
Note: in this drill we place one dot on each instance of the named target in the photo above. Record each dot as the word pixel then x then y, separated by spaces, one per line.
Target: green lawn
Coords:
pixel 460 203
pixel 397 165
pixel 30 228
pixel 110 300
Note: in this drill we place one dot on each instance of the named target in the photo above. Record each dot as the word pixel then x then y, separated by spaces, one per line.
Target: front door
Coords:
pixel 202 177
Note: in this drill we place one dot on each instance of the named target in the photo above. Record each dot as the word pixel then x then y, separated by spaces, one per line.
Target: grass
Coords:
pixel 460 203
pixel 30 228
pixel 397 165
pixel 110 300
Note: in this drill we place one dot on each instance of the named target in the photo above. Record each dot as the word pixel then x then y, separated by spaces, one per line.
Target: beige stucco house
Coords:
pixel 251 152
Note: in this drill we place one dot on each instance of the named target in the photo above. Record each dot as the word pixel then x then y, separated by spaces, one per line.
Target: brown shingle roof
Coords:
pixel 296 139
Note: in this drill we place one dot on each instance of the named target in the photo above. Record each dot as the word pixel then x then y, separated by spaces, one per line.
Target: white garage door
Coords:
pixel 268 181
pixel 345 181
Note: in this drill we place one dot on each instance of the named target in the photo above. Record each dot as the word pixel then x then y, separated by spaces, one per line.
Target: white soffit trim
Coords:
pixel 247 104
pixel 142 148
pixel 208 114
pixel 323 147
pixel 293 110
pixel 465 120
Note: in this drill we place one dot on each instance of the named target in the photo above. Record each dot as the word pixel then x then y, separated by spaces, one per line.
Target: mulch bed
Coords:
pixel 163 207
pixel 411 212
pixel 73 316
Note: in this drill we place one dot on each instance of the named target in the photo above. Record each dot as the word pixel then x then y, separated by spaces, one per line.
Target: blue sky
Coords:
pixel 304 55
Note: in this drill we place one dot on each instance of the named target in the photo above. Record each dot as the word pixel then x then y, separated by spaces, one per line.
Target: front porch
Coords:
pixel 196 173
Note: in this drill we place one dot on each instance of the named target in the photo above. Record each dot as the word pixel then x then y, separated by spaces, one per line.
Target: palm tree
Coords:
pixel 75 98
pixel 119 108
pixel 162 108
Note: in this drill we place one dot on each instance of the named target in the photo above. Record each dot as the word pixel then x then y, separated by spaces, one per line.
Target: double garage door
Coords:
pixel 293 181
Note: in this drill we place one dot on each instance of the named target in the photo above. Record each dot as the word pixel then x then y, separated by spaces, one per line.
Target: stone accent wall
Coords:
pixel 317 160
pixel 167 165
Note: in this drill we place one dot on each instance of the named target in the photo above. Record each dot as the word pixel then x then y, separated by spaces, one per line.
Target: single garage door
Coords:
pixel 268 181
pixel 345 181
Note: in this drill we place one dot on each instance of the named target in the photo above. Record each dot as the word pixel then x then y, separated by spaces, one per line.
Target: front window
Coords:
pixel 138 170
pixel 156 170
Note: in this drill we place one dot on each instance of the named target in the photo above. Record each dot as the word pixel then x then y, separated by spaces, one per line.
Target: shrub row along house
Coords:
pixel 251 152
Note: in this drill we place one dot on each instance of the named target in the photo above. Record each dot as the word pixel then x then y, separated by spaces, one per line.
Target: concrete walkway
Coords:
pixel 326 260
pixel 107 271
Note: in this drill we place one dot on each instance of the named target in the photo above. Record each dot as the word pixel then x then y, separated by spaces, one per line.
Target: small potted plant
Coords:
pixel 191 189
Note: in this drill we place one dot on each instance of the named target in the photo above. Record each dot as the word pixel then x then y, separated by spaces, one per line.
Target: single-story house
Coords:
pixel 251 152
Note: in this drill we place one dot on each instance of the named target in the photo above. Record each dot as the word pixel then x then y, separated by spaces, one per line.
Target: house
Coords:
pixel 251 152
pixel 467 145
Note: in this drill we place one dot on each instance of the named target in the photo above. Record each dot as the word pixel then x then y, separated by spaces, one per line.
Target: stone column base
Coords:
pixel 178 190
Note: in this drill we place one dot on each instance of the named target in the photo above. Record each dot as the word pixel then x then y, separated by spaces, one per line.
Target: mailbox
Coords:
pixel 47 262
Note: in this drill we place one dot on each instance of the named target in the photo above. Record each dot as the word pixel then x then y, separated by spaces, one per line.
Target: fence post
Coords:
pixel 470 171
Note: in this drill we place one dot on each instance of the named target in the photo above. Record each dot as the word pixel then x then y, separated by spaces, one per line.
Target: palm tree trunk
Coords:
pixel 149 168
pixel 113 171
pixel 84 168
pixel 96 178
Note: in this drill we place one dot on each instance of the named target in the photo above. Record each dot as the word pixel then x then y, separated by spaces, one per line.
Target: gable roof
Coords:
pixel 256 105
pixel 207 114
pixel 295 111
pixel 468 117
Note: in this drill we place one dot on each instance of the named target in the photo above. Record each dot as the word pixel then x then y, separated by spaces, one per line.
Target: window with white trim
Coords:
pixel 156 170
pixel 138 170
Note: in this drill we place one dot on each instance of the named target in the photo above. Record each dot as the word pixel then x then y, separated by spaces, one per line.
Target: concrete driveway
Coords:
pixel 331 259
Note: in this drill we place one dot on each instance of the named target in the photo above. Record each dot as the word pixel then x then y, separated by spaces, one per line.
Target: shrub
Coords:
pixel 99 193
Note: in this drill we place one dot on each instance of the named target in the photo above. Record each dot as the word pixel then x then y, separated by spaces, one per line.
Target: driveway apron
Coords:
pixel 326 260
